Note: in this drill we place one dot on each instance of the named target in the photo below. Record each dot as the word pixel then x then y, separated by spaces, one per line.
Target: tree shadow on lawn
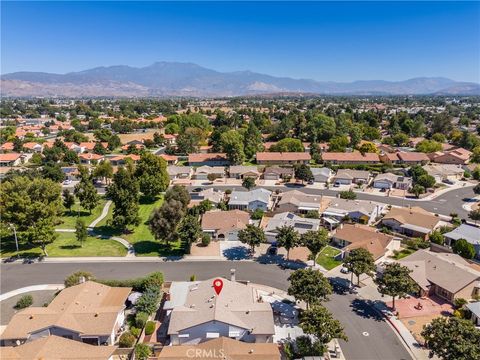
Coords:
pixel 153 248
pixel 364 308
pixel 75 213
pixel 69 247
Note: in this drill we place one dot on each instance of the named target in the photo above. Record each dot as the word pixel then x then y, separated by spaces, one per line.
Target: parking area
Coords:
pixel 417 307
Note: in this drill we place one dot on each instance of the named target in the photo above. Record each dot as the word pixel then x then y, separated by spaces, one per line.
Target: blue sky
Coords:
pixel 340 41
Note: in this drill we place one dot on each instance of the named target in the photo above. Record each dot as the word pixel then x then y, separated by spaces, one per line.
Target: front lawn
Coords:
pixel 326 258
pixel 400 254
pixel 70 217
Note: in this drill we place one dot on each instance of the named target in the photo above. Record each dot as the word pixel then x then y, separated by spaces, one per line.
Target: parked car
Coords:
pixel 344 270
pixel 67 182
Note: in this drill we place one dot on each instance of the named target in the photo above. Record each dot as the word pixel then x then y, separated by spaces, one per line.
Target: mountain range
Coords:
pixel 186 79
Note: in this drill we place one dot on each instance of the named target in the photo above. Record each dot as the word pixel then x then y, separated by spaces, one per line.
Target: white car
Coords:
pixel 344 270
pixel 67 182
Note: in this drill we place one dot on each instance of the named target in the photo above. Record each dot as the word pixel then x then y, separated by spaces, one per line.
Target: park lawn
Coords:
pixel 326 258
pixel 70 217
pixel 67 245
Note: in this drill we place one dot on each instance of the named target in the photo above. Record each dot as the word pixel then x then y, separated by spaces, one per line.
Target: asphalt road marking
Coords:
pixel 365 333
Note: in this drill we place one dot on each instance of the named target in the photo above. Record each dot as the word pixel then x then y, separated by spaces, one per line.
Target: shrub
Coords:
pixel 148 302
pixel 135 331
pixel 460 302
pixel 257 214
pixel 142 351
pixel 141 319
pixel 74 279
pixel 228 191
pixel 193 277
pixel 349 195
pixel 154 279
pixel 126 340
pixel 206 239
pixel 149 327
pixel 24 302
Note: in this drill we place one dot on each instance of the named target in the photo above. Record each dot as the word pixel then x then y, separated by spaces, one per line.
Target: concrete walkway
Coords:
pixel 28 289
pixel 102 216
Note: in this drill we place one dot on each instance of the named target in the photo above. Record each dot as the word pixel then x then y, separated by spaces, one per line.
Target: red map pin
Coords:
pixel 218 285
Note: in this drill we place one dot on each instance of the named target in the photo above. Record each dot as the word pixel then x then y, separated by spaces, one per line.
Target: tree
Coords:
pixel 53 172
pixel 248 183
pixel 476 173
pixel 81 232
pixel 395 282
pixel 428 146
pixel 87 194
pixel 189 230
pixel 303 172
pixel 151 172
pixel 319 322
pixel 74 278
pixel 474 215
pixel 400 139
pixel 476 189
pixel 99 149
pixel 287 145
pixel 437 237
pixel 417 190
pixel 232 145
pixel 288 238
pixel 360 261
pixel 463 248
pixel 43 233
pixel 68 199
pixel 70 157
pixel 179 193
pixel 252 140
pixel 452 339
pixel 142 351
pixel 123 191
pixel 338 144
pixel 164 220
pixel 189 141
pixel 427 181
pixel 252 236
pixel 315 241
pixel 104 169
pixel 475 157
pixel 368 147
pixel 309 285
pixel 348 194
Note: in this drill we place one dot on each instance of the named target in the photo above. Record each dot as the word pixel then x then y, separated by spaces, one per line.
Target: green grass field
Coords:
pixel 326 258
pixel 67 221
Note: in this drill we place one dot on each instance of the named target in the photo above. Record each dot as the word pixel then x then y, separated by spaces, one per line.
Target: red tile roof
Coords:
pixel 197 158
pixel 283 156
pixel 10 156
pixel 351 156
pixel 412 156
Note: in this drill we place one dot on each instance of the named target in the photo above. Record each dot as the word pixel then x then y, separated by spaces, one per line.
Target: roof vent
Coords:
pixel 211 306
pixel 248 311
pixel 250 351
pixel 192 306
pixel 31 317
pixel 96 315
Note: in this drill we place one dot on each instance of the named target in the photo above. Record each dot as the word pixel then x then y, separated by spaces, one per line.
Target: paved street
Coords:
pixel 381 343
pixel 445 204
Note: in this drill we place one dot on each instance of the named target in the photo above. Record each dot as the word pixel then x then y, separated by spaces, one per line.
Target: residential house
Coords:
pixel 412 158
pixel 224 347
pixel 321 175
pixel 298 202
pixel 90 312
pixel 349 177
pixel 170 159
pixel 442 172
pixel 278 173
pixel 90 158
pixel 179 172
pixel 89 146
pixel 282 158
pixel 350 158
pixel 468 232
pixel 57 347
pixel 202 172
pixel 33 147
pixel 390 158
pixel 241 172
pixel 446 275
pixel 391 181
pixel 71 173
pixel 250 200
pixel 211 194
pixel 120 160
pixel 211 159
pixel 458 156
pixel 474 309
pixel 355 236
pixel 170 139
pixel 362 211
pixel 199 314
pixel 6 147
pixel 224 225
pixel 300 224
pixel 411 221
pixel 13 159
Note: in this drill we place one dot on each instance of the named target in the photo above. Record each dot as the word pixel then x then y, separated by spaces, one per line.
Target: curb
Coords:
pixel 27 289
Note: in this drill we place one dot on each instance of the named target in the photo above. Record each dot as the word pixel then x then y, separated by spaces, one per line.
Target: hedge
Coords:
pixel 150 327
pixel 126 340
pixel 24 302
pixel 142 284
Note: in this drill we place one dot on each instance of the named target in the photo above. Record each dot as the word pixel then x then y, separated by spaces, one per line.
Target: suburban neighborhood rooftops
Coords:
pixel 416 216
pixel 321 171
pixel 338 205
pixel 299 223
pixel 410 156
pixel 199 158
pixel 237 305
pixel 350 157
pixel 450 271
pixel 283 156
pixel 246 197
pixel 56 347
pixel 89 308
pixel 467 232
pixel 301 200
pixel 225 220
pixel 352 174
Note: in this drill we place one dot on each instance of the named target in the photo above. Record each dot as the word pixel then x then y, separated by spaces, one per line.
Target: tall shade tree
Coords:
pixel 320 323
pixel 164 221
pixel 189 230
pixel 463 248
pixel 360 261
pixel 248 183
pixel 303 172
pixel 315 241
pixel 288 238
pixel 29 203
pixel 87 194
pixel 151 172
pixel 252 236
pixel 252 142
pixel 81 232
pixel 232 145
pixel 179 193
pixel 123 191
pixel 395 282
pixel 452 339
pixel 104 170
pixel 42 234
pixel 68 199
pixel 309 285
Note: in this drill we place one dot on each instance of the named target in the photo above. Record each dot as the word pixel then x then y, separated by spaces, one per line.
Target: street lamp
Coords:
pixel 14 234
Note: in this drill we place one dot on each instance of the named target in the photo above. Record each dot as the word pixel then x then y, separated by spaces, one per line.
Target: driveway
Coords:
pixel 234 250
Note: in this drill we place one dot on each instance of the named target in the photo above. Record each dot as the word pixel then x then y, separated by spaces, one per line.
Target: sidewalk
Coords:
pixel 31 288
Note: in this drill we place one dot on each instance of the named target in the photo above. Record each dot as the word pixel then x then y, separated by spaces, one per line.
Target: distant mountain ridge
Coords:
pixel 187 79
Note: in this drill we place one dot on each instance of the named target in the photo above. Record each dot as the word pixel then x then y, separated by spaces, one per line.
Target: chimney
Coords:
pixel 232 275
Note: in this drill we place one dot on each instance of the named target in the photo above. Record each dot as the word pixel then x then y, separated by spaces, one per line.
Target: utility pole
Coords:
pixel 15 235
